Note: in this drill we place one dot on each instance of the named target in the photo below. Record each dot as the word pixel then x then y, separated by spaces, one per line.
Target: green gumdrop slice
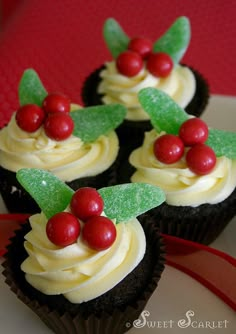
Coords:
pixel 31 89
pixel 126 201
pixel 222 142
pixel 165 114
pixel 176 39
pixel 50 193
pixel 116 39
pixel 91 122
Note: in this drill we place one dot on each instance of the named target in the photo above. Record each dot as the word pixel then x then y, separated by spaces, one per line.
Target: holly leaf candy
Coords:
pixel 165 114
pixel 50 193
pixel 116 39
pixel 91 122
pixel 222 142
pixel 31 89
pixel 176 39
pixel 126 201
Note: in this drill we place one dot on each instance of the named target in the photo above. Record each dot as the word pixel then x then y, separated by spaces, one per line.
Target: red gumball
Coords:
pixel 168 148
pixel 86 202
pixel 141 45
pixel 99 233
pixel 58 126
pixel 159 64
pixel 193 131
pixel 56 102
pixel 30 117
pixel 63 229
pixel 201 159
pixel 129 63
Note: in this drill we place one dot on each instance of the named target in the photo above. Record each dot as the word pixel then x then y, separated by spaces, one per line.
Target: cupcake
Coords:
pixel 193 164
pixel 78 145
pixel 85 264
pixel 138 63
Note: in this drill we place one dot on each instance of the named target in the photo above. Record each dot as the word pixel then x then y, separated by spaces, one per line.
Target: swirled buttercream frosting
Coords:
pixel 181 186
pixel 69 159
pixel 77 271
pixel 180 85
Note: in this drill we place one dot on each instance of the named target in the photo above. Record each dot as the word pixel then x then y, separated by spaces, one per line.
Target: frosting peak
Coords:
pixel 117 88
pixel 77 271
pixel 181 186
pixel 68 159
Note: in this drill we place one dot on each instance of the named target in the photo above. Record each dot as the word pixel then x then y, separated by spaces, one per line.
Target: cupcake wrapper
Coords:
pixel 17 200
pixel 71 321
pixel 201 98
pixel 202 224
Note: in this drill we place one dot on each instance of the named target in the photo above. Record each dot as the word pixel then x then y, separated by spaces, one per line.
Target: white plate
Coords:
pixel 177 293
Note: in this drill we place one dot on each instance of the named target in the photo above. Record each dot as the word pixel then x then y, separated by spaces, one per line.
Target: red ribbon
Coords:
pixel 214 269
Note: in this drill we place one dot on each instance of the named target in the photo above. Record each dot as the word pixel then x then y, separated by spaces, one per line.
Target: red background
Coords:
pixel 62 40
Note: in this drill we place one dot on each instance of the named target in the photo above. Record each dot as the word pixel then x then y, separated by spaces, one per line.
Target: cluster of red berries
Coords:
pixel 193 133
pixel 53 115
pixel 98 232
pixel 131 61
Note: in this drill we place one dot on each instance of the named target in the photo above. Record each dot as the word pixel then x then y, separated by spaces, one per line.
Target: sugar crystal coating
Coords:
pixel 116 39
pixel 51 194
pixel 176 39
pixel 125 201
pixel 166 115
pixel 121 202
pixel 31 89
pixel 91 122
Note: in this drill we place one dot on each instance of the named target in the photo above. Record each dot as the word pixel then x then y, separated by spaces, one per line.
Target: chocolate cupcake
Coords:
pixel 80 288
pixel 193 164
pixel 158 67
pixel 77 144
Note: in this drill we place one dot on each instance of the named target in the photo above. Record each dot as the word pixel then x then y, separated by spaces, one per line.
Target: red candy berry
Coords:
pixel 140 45
pixel 56 102
pixel 86 202
pixel 193 131
pixel 168 148
pixel 99 233
pixel 129 63
pixel 30 117
pixel 63 229
pixel 58 126
pixel 159 64
pixel 201 159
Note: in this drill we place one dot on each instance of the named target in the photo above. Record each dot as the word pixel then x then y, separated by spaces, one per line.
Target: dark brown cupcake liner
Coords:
pixel 92 317
pixel 200 100
pixel 17 200
pixel 202 224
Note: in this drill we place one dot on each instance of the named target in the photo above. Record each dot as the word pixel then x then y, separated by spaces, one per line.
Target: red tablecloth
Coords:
pixel 62 40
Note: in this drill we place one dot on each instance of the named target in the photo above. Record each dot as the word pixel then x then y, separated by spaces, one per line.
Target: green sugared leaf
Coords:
pixel 31 89
pixel 51 194
pixel 165 114
pixel 91 122
pixel 176 39
pixel 222 142
pixel 126 201
pixel 115 38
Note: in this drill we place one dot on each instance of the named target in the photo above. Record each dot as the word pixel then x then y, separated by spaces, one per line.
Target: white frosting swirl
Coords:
pixel 77 271
pixel 180 85
pixel 69 159
pixel 181 186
